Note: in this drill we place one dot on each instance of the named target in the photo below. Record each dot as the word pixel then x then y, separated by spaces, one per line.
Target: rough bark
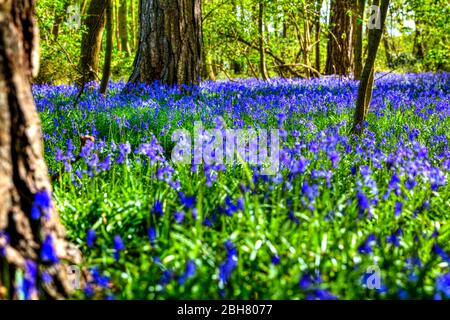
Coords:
pixel 23 172
pixel 262 53
pixel 170 42
pixel 108 49
pixel 366 83
pixel 123 27
pixel 91 41
pixel 339 49
pixel 359 39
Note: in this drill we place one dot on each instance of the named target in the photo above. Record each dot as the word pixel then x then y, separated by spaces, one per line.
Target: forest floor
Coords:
pixel 343 217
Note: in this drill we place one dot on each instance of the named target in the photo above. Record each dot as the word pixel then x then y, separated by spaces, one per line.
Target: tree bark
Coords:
pixel 108 49
pixel 317 39
pixel 132 25
pixel 116 25
pixel 123 27
pixel 418 47
pixel 367 78
pixel 170 42
pixel 339 49
pixel 27 217
pixel 262 53
pixel 359 39
pixel 59 17
pixel 91 41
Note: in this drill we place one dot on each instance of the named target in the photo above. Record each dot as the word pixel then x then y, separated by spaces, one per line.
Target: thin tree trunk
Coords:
pixel 366 83
pixel 91 41
pixel 359 39
pixel 317 39
pixel 59 18
pixel 123 27
pixel 262 53
pixel 116 25
pixel 170 42
pixel 306 41
pixel 108 49
pixel 418 47
pixel 133 25
pixel 28 219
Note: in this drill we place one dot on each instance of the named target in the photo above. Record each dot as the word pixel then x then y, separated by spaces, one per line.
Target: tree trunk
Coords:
pixel 359 39
pixel 123 27
pixel 116 25
pixel 108 49
pixel 418 47
pixel 339 50
pixel 318 31
pixel 306 41
pixel 170 42
pixel 32 239
pixel 59 18
pixel 133 25
pixel 262 53
pixel 91 41
pixel 367 78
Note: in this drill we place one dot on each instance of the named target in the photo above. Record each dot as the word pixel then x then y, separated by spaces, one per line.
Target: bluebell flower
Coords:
pixel 227 267
pixel 118 247
pixel 90 238
pixel 276 259
pixel 152 236
pixel 443 287
pixel 48 253
pixel 189 273
pixel 157 208
pixel 179 217
pixel 366 247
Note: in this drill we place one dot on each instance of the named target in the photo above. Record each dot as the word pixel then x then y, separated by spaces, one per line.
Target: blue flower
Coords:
pixel 90 238
pixel 443 287
pixel 366 247
pixel 48 253
pixel 398 208
pixel 227 267
pixel 157 208
pixel 189 273
pixel 179 217
pixel 276 259
pixel 118 246
pixel 152 235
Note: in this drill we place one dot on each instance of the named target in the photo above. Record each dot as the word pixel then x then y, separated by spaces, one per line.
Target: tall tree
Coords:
pixel 123 27
pixel 91 41
pixel 262 51
pixel 108 48
pixel 360 5
pixel 367 78
pixel 170 42
pixel 32 239
pixel 339 50
pixel 317 32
